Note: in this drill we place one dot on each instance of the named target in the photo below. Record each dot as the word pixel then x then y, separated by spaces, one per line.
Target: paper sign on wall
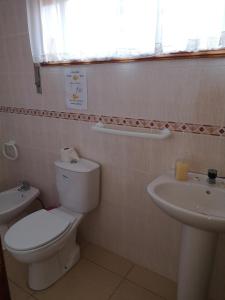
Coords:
pixel 76 88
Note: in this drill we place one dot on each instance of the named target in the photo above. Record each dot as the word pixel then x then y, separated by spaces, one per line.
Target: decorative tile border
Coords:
pixel 122 121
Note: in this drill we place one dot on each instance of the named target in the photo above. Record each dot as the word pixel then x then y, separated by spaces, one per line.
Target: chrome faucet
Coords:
pixel 212 174
pixel 25 186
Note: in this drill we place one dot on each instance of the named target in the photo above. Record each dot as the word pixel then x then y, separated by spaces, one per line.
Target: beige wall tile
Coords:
pixel 13 17
pixel 147 238
pixel 126 222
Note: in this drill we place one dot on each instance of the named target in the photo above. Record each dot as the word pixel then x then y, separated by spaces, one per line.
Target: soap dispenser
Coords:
pixel 181 170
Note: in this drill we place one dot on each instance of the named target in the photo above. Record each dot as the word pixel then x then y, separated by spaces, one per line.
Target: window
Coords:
pixel 83 30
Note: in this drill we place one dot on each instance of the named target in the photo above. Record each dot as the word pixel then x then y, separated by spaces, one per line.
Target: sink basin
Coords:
pixel 12 203
pixel 194 202
pixel 200 207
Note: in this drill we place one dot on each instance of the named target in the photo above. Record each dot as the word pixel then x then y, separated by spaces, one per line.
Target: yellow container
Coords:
pixel 182 169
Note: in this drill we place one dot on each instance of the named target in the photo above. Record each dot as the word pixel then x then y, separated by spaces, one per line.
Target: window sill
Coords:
pixel 171 56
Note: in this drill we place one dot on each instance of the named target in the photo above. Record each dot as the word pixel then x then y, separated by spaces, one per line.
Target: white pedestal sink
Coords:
pixel 200 206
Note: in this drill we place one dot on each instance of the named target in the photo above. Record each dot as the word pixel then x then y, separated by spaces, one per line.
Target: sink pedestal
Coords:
pixel 200 205
pixel 196 261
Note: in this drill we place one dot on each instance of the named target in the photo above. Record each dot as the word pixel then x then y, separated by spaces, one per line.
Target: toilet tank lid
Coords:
pixel 82 165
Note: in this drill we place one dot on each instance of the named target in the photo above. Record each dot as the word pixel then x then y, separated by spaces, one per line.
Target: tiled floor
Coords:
pixel 99 275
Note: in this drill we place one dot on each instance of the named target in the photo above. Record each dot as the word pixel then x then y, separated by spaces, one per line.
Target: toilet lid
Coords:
pixel 35 230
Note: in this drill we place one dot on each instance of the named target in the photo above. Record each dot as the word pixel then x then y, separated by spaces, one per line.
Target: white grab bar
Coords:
pixel 163 134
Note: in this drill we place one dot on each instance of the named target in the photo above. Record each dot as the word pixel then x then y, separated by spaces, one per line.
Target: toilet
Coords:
pixel 46 240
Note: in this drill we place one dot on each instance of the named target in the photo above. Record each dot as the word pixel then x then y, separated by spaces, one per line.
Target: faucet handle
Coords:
pixel 212 174
pixel 25 182
pixel 25 186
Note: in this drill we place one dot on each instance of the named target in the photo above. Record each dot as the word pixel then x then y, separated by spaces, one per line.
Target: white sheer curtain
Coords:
pixel 99 29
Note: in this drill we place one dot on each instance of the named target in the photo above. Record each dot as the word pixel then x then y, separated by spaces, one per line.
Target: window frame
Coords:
pixel 170 56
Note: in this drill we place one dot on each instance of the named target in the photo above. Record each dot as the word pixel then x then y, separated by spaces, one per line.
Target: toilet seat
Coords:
pixel 36 230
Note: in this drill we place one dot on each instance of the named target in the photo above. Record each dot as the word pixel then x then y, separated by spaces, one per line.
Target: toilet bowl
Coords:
pixel 46 240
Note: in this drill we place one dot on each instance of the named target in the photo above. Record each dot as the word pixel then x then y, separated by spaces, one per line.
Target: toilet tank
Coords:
pixel 78 184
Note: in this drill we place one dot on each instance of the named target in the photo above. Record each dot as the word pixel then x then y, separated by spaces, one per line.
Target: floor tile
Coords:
pixel 18 293
pixel 84 282
pixel 129 291
pixel 17 272
pixel 106 259
pixel 153 282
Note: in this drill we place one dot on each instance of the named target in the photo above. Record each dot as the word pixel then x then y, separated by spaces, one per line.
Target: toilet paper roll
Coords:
pixel 69 154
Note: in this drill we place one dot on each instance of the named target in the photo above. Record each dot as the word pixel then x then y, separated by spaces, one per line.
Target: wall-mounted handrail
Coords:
pixel 162 134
